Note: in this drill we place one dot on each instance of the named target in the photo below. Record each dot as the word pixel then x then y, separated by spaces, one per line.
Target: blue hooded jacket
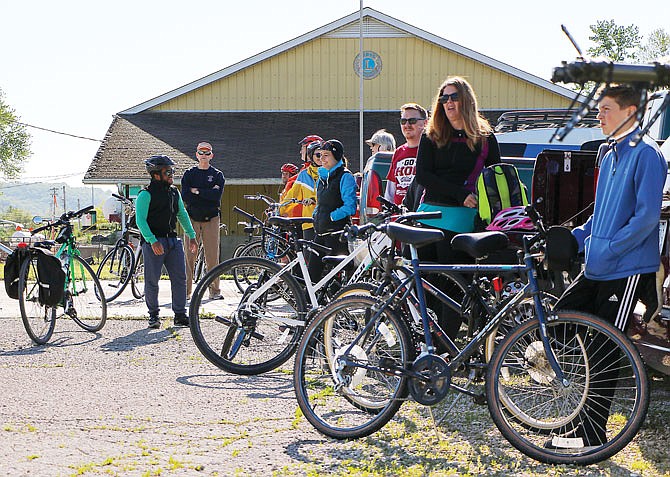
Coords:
pixel 347 190
pixel 621 238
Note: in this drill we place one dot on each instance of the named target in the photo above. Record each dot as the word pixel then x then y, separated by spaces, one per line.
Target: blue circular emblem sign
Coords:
pixel 372 65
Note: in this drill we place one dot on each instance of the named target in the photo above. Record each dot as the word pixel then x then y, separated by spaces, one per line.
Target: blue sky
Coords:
pixel 71 65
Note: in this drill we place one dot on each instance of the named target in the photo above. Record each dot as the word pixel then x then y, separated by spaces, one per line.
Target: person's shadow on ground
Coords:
pixel 141 337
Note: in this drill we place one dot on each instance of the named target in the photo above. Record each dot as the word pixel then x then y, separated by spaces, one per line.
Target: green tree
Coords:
pixel 14 142
pixel 656 47
pixel 618 43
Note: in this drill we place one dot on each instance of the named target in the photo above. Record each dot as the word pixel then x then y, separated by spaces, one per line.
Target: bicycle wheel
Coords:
pixel 592 418
pixel 347 401
pixel 115 270
pixel 254 248
pixel 137 281
pixel 242 336
pixel 38 320
pixel 200 266
pixel 84 298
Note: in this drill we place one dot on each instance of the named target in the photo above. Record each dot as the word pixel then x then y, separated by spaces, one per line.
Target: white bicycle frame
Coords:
pixel 378 243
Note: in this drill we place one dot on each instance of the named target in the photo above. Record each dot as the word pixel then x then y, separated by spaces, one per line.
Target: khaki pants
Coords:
pixel 206 233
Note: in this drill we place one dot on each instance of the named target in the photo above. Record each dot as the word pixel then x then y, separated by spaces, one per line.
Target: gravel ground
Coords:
pixel 139 402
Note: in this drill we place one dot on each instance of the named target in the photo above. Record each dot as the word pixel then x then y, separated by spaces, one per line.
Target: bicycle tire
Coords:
pixel 84 297
pixel 261 335
pixel 520 370
pixel 38 320
pixel 119 263
pixel 351 402
pixel 137 281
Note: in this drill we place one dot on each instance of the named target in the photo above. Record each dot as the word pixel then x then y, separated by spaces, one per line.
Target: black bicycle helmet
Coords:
pixel 156 163
pixel 311 147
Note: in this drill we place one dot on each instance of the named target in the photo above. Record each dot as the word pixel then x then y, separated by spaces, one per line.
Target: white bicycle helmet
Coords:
pixel 512 218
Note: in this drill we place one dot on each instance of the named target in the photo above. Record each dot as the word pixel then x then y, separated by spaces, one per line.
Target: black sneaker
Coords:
pixel 154 321
pixel 180 319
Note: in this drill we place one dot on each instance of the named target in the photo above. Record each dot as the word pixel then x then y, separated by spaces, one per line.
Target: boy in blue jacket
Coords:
pixel 621 244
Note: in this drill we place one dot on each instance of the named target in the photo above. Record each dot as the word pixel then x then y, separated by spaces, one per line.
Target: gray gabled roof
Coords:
pixel 332 28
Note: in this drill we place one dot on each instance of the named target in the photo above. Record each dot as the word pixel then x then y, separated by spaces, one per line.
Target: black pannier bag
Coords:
pixel 12 269
pixel 51 279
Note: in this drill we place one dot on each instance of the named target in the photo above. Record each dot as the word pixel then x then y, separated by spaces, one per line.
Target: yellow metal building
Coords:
pixel 254 112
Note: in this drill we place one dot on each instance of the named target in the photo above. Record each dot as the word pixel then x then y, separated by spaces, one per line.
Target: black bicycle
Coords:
pixel 124 264
pixel 550 381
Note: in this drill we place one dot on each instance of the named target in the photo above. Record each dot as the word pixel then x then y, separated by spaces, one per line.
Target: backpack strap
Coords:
pixel 479 165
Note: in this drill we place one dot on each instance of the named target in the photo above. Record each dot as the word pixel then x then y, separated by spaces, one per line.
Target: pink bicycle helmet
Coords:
pixel 512 218
pixel 290 168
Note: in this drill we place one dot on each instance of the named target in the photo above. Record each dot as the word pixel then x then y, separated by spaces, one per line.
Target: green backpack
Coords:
pixel 499 187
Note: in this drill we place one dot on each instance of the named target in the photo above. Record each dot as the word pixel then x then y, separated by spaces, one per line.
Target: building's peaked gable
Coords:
pixel 375 25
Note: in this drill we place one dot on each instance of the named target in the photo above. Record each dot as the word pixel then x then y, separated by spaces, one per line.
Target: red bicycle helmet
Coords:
pixel 310 138
pixel 290 168
pixel 512 218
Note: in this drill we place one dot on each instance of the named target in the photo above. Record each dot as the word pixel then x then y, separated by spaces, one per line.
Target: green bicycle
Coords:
pixel 83 298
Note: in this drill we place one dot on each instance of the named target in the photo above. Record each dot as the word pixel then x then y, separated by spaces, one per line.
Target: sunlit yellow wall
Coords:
pixel 319 75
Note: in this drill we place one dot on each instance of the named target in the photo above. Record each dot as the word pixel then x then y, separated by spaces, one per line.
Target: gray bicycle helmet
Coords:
pixel 156 163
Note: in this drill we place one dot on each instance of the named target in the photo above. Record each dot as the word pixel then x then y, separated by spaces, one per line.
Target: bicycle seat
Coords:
pixel 413 235
pixel 288 222
pixel 479 245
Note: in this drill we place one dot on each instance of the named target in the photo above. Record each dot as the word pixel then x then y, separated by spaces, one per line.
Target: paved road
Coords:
pixel 133 401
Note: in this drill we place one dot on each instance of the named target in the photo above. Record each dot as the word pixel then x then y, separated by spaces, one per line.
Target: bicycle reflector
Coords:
pixel 497 284
pixel 22 245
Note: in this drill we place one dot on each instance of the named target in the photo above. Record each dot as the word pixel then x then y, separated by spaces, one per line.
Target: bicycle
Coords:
pixel 83 297
pixel 124 263
pixel 200 265
pixel 271 243
pixel 258 326
pixel 358 361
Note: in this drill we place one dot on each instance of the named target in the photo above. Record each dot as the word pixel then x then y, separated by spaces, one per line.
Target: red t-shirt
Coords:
pixel 402 171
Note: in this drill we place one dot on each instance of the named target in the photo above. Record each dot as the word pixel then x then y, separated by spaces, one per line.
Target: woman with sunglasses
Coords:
pixel 335 202
pixel 457 144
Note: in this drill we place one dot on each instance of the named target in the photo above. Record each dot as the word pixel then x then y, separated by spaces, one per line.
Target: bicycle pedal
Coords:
pixel 227 322
pixel 479 399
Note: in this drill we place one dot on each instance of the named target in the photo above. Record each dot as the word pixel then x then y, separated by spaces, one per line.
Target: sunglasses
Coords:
pixel 446 97
pixel 411 121
pixel 168 172
pixel 205 153
pixel 317 155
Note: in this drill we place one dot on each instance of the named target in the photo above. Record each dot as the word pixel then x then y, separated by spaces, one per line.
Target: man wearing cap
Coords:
pixel 403 166
pixel 381 141
pixel 201 188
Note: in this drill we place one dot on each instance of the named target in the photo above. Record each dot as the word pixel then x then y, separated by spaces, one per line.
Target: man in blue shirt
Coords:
pixel 201 188
pixel 621 244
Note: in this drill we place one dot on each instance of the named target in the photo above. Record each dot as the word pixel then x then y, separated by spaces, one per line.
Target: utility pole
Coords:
pixel 64 203
pixel 54 202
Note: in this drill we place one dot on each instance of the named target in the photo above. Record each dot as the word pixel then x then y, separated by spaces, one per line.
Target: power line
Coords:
pixel 57 132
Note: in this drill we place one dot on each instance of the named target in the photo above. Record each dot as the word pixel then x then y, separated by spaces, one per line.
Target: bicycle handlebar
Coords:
pixel 262 197
pixel 580 72
pixel 64 219
pixel 359 231
pixel 251 217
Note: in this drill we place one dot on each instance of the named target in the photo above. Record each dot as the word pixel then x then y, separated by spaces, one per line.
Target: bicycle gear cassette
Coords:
pixel 435 386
